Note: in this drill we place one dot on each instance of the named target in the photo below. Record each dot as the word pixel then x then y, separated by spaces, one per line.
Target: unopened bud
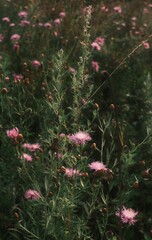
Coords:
pixel 136 185
pixel 20 137
pixel 112 106
pixel 4 90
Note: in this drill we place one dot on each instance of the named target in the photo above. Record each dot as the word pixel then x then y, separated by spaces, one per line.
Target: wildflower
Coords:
pixel 47 25
pixel 70 172
pixel 36 64
pixel 15 37
pixel 24 23
pixel 118 9
pixel 31 194
pixel 79 138
pixel 100 41
pixel 17 77
pixel 95 65
pixel 57 21
pixel 27 157
pixel 98 166
pixel 146 45
pixel 96 46
pixel 22 14
pixel 6 19
pixel 13 133
pixel 31 147
pixel 62 14
pixel 127 215
pixel 12 24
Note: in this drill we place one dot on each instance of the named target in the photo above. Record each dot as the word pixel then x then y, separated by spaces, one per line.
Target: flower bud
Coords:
pixel 4 91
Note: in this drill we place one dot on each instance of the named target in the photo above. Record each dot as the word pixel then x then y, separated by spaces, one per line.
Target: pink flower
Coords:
pixel 96 46
pixel 13 133
pixel 36 64
pixel 98 166
pixel 15 37
pixel 79 138
pixel 100 41
pixel 12 25
pixel 118 9
pixel 32 195
pixel 70 172
pixel 47 25
pixel 95 65
pixel 24 23
pixel 127 215
pixel 57 21
pixel 146 45
pixel 22 14
pixel 62 14
pixel 27 157
pixel 6 19
pixel 17 78
pixel 31 147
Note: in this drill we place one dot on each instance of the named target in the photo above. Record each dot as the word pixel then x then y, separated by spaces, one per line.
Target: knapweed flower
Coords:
pixel 17 77
pixel 6 19
pixel 22 14
pixel 31 194
pixel 146 45
pixel 95 65
pixel 127 215
pixel 100 41
pixel 36 64
pixel 15 37
pixel 118 9
pixel 79 138
pixel 24 23
pixel 31 147
pixel 57 21
pixel 27 157
pixel 96 46
pixel 62 14
pixel 70 172
pixel 98 166
pixel 13 133
pixel 47 25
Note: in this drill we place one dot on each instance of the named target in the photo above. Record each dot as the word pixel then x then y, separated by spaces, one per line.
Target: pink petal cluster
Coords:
pixel 127 215
pixel 57 21
pixel 31 194
pixel 47 25
pixel 6 19
pixel 36 63
pixel 70 172
pixel 79 138
pixel 146 45
pixel 15 37
pixel 31 147
pixel 98 42
pixel 22 14
pixel 62 14
pixel 27 157
pixel 13 133
pixel 17 77
pixel 118 9
pixel 95 65
pixel 98 166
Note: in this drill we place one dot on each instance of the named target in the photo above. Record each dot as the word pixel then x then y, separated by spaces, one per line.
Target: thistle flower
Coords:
pixel 98 166
pixel 31 194
pixel 127 215
pixel 79 138
pixel 31 147
pixel 13 133
pixel 70 172
pixel 27 157
pixel 15 37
